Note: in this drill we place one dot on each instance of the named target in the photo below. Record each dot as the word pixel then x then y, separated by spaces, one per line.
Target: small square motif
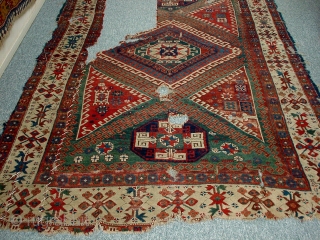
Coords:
pixel 246 107
pixel 241 88
pixel 230 105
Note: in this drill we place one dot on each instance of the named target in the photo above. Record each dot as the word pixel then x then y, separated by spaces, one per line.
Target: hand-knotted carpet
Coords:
pixel 9 9
pixel 209 115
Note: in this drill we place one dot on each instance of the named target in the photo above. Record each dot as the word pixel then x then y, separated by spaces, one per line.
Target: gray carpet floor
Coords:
pixel 302 20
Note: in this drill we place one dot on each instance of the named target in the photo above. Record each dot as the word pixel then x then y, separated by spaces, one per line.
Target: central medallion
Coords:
pixel 169 52
pixel 173 53
pixel 159 140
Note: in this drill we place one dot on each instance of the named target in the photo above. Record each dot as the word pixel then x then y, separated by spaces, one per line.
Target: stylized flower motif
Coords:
pixel 136 204
pixel 74 198
pixel 97 202
pixel 270 181
pixel 215 150
pixel 302 123
pixel 104 148
pixel 62 180
pixel 119 210
pixel 297 173
pixel 78 159
pixel 229 148
pixel 215 159
pixel 291 183
pixel 73 211
pixel 165 177
pixel 121 149
pixel 135 194
pixel 108 158
pixel 218 198
pixel 45 177
pixel 50 159
pixel 73 180
pixel 124 157
pixel 238 159
pixel 223 177
pixel 153 177
pixel 226 96
pixel 56 140
pixel 130 178
pixel 57 204
pixel 246 178
pixel 201 177
pixel 107 179
pixel 292 203
pixel 85 180
pixel 242 96
pixel 21 166
pixel 88 150
pixel 96 180
pixel 94 158
pixel 257 161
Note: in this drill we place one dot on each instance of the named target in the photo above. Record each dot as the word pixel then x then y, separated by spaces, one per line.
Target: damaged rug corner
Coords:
pixel 207 115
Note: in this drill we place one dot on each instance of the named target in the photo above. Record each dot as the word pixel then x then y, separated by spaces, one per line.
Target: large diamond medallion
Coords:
pixel 172 53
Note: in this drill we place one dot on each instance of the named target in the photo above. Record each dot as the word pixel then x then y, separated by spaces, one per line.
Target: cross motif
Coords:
pixel 31 139
pixel 49 90
pixel 278 61
pixel 260 11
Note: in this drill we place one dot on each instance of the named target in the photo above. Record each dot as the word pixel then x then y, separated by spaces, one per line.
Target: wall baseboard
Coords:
pixel 17 32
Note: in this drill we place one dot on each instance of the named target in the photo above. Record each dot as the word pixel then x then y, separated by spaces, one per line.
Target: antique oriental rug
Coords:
pixel 209 115
pixel 9 9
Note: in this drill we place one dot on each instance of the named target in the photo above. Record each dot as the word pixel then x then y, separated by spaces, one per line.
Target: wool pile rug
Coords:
pixel 211 114
pixel 9 9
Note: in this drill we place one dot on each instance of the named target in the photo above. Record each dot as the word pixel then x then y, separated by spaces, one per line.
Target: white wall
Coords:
pixel 16 33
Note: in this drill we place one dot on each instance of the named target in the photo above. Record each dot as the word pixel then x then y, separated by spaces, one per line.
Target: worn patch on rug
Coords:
pixel 206 115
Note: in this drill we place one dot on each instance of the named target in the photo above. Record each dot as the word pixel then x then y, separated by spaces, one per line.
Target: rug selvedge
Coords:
pixel 249 150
